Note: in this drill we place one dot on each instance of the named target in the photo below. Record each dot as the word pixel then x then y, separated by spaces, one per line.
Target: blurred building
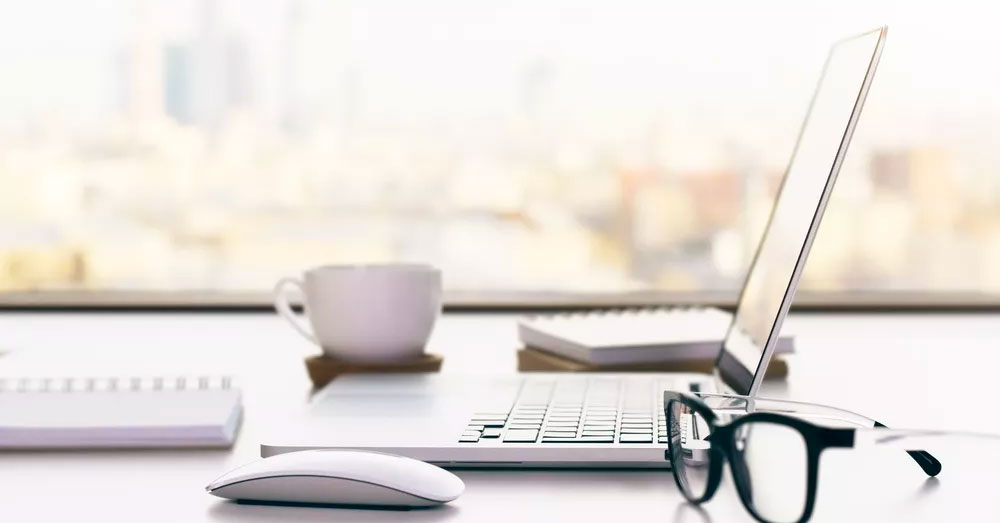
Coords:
pixel 178 66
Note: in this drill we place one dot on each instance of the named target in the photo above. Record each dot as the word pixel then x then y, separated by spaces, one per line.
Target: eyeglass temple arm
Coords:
pixel 930 465
pixel 927 462
pixel 910 439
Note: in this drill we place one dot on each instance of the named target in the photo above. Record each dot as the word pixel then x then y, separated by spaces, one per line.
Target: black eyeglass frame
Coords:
pixel 724 436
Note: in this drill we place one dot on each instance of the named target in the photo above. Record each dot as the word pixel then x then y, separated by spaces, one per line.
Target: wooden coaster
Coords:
pixel 323 369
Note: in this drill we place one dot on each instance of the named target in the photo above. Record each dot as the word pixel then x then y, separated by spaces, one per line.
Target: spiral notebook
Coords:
pixel 633 336
pixel 130 412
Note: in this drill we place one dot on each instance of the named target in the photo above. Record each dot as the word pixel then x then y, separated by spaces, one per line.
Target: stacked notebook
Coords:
pixel 677 339
pixel 118 412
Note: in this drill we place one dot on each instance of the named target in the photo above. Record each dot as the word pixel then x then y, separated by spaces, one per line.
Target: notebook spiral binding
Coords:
pixel 115 384
pixel 625 310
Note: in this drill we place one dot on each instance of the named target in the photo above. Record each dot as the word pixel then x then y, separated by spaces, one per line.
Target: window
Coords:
pixel 524 147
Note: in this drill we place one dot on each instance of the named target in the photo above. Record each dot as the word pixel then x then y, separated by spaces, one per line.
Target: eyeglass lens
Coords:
pixel 770 465
pixel 689 452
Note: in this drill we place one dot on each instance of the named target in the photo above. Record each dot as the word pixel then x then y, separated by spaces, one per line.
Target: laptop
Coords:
pixel 587 420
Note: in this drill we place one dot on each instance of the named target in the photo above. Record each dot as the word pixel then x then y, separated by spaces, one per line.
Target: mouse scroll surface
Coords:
pixel 341 477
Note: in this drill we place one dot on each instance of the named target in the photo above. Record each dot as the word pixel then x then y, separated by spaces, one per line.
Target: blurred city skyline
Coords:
pixel 572 146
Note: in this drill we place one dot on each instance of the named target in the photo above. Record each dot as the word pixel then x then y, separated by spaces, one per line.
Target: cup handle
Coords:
pixel 285 309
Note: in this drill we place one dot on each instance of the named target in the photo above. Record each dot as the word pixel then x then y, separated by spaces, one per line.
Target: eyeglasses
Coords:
pixel 773 457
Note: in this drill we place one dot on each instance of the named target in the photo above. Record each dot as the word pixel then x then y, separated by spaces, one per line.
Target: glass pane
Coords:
pixel 521 146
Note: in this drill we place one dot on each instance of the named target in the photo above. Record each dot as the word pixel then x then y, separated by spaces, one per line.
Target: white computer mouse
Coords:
pixel 340 477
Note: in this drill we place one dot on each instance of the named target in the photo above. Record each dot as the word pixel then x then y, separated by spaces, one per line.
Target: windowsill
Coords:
pixel 886 301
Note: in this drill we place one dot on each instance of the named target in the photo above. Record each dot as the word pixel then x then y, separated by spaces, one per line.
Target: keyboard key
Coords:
pixel 639 425
pixel 594 425
pixel 475 427
pixel 600 418
pixel 520 436
pixel 633 430
pixel 562 423
pixel 559 434
pixel 468 439
pixel 488 422
pixel 563 418
pixel 525 426
pixel 491 433
pixel 635 438
pixel 598 433
pixel 527 419
pixel 581 439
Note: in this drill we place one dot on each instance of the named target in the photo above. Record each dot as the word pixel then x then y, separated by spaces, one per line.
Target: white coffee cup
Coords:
pixel 366 312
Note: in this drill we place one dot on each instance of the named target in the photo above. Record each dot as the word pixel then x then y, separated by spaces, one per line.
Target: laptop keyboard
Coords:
pixel 587 410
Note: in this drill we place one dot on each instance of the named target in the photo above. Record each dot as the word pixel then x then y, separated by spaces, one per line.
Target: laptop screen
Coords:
pixel 781 255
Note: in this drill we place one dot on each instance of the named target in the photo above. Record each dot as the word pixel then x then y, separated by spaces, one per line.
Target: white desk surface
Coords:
pixel 915 371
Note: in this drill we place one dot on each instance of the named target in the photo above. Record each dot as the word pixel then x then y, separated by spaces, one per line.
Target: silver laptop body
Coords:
pixel 601 419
